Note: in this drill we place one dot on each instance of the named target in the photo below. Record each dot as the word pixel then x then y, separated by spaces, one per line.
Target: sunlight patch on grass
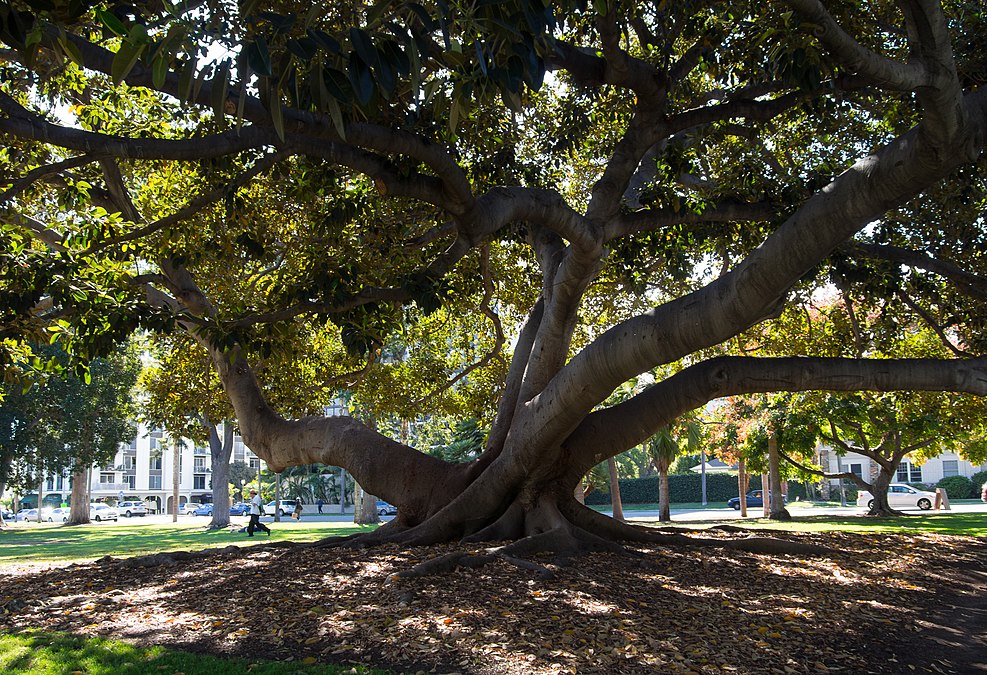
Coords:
pixel 40 653
pixel 61 543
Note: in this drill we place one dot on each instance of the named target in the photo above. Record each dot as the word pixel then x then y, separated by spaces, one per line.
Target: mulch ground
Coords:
pixel 881 604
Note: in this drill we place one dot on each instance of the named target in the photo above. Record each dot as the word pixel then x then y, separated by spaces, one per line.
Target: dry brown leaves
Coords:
pixel 871 608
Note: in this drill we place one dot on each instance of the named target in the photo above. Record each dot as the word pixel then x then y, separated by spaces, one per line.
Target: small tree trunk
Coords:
pixel 41 488
pixel 765 496
pixel 778 510
pixel 742 481
pixel 618 507
pixel 365 512
pixel 79 501
pixel 220 452
pixel 176 475
pixel 879 492
pixel 664 499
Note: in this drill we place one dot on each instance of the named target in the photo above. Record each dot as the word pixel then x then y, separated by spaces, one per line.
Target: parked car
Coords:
pixel 7 515
pixel 983 493
pixel 385 509
pixel 753 498
pixel 286 506
pixel 129 509
pixel 203 510
pixel 61 514
pixel 189 507
pixel 27 514
pixel 240 509
pixel 101 512
pixel 901 496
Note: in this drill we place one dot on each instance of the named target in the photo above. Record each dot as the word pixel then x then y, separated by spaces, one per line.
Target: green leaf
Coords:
pixel 112 23
pixel 70 48
pixel 259 57
pixel 220 89
pixel 125 60
pixel 361 79
pixel 337 117
pixel 276 114
pixel 159 71
pixel 185 81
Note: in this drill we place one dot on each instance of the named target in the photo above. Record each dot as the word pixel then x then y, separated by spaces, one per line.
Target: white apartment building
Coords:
pixel 144 470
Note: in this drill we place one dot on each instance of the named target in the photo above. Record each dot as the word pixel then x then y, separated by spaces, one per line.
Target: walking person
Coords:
pixel 320 503
pixel 255 513
pixel 297 514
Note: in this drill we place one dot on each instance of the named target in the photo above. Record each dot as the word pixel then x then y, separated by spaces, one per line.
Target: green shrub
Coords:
pixel 682 488
pixel 957 487
pixel 978 479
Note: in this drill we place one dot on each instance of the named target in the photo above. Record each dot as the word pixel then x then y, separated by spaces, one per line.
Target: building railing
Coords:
pixel 109 487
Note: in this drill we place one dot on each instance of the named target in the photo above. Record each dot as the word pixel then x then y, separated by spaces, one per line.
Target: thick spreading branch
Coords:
pixel 622 426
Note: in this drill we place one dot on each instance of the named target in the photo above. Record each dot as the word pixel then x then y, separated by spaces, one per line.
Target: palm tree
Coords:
pixel 663 448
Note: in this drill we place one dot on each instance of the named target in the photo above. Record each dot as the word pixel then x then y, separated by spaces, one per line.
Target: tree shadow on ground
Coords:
pixel 669 610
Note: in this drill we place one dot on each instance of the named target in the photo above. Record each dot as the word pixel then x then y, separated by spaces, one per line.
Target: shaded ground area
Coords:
pixel 882 604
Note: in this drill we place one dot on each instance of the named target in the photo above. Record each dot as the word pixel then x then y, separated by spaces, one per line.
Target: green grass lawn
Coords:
pixel 42 653
pixel 64 543
pixel 963 524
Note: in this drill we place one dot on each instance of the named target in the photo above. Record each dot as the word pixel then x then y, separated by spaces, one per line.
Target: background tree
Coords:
pixel 664 447
pixel 693 170
pixel 66 423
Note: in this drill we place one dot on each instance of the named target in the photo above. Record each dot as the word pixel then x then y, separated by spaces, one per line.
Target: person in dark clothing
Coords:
pixel 255 523
pixel 320 502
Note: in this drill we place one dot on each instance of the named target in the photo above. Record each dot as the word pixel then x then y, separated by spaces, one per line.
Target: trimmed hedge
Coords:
pixel 958 487
pixel 685 488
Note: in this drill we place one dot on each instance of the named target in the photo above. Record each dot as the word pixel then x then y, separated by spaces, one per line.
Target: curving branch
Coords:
pixel 624 425
pixel 931 323
pixel 649 220
pixel 854 56
pixel 42 172
pixel 968 283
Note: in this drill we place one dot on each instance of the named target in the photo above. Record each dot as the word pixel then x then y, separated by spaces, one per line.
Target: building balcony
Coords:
pixel 109 487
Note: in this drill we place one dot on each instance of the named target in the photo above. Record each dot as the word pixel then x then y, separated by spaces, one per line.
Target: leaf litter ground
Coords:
pixel 880 604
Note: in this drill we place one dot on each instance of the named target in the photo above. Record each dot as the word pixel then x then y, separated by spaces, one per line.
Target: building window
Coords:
pixel 857 470
pixel 107 477
pixel 156 463
pixel 950 467
pixel 200 464
pixel 254 463
pixel 154 483
pixel 909 473
pixel 51 484
pixel 198 482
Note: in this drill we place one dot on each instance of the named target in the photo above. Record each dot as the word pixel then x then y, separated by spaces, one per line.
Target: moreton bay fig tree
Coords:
pixel 584 192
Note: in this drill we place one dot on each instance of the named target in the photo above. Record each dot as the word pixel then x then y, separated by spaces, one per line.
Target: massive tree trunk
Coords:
pixel 221 451
pixel 79 501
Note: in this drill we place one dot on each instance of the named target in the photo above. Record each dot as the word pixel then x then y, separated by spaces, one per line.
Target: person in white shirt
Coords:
pixel 255 523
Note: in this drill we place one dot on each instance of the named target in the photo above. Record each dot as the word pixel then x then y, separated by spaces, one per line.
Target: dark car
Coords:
pixel 753 498
pixel 385 509
pixel 240 509
pixel 203 510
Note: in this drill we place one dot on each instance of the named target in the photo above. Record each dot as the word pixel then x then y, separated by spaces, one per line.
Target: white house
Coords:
pixel 929 472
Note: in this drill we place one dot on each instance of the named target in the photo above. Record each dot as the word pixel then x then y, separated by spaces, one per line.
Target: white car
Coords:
pixel 101 512
pixel 128 509
pixel 901 496
pixel 189 507
pixel 59 515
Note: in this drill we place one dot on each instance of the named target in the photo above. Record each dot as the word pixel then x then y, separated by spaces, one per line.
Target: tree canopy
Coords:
pixel 610 189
